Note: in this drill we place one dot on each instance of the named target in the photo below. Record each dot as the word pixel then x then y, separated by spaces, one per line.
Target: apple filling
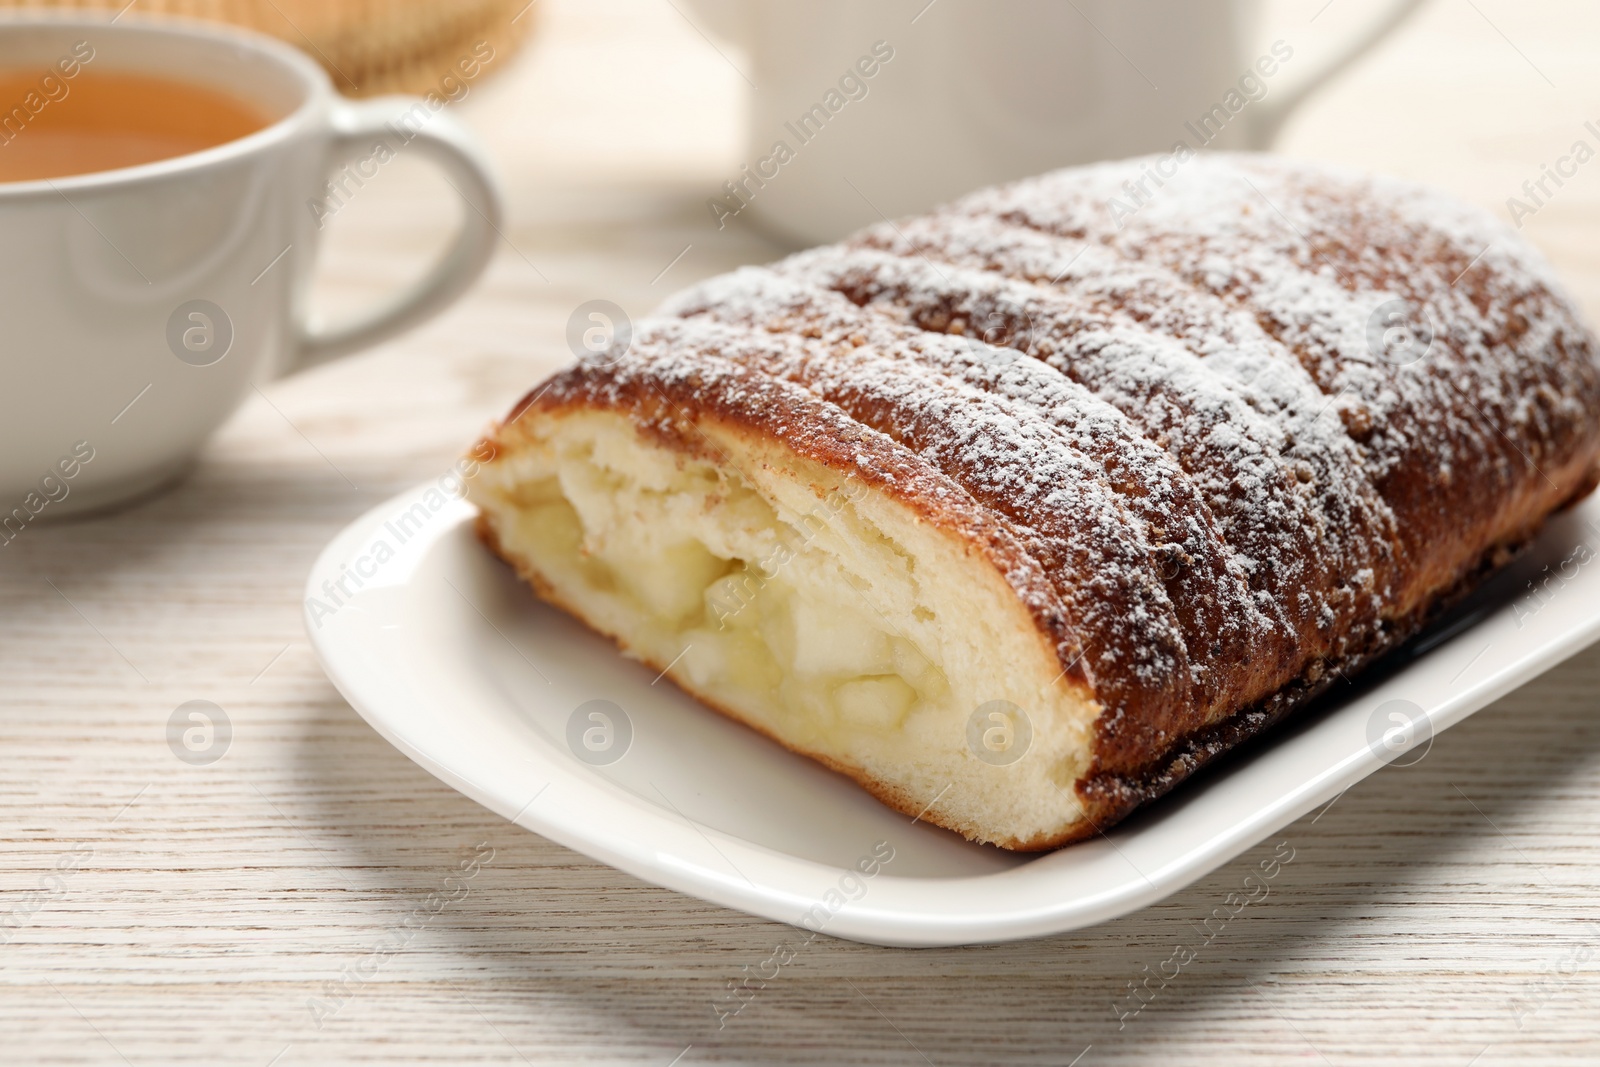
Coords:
pixel 825 616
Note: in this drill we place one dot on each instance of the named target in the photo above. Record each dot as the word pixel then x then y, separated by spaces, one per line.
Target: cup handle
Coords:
pixel 357 129
pixel 1269 120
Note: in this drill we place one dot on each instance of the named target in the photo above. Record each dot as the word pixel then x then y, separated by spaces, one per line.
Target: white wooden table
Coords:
pixel 264 909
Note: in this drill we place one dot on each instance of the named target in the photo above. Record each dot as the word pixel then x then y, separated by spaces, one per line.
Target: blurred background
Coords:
pixel 621 118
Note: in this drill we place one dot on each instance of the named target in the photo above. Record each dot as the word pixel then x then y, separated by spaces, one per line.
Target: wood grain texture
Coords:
pixel 1444 913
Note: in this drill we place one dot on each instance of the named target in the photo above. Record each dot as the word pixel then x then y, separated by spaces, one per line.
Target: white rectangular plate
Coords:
pixel 451 658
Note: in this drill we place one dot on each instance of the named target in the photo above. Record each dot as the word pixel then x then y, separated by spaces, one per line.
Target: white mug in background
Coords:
pixel 889 107
pixel 139 306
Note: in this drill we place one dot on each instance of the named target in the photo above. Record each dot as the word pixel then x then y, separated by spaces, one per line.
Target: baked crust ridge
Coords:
pixel 1182 470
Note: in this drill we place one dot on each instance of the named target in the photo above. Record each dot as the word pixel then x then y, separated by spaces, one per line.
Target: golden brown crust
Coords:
pixel 1186 440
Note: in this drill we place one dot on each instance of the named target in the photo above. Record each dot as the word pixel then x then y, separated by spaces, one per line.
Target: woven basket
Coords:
pixel 367 46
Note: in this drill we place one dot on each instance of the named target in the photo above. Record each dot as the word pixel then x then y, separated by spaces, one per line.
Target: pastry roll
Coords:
pixel 1020 512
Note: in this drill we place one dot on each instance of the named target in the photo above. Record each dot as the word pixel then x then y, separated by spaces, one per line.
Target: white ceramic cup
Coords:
pixel 138 307
pixel 978 92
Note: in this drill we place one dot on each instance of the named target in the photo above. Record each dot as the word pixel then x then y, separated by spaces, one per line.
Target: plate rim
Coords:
pixel 867 919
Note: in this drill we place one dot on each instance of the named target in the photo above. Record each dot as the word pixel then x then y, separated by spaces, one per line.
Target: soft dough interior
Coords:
pixel 827 616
